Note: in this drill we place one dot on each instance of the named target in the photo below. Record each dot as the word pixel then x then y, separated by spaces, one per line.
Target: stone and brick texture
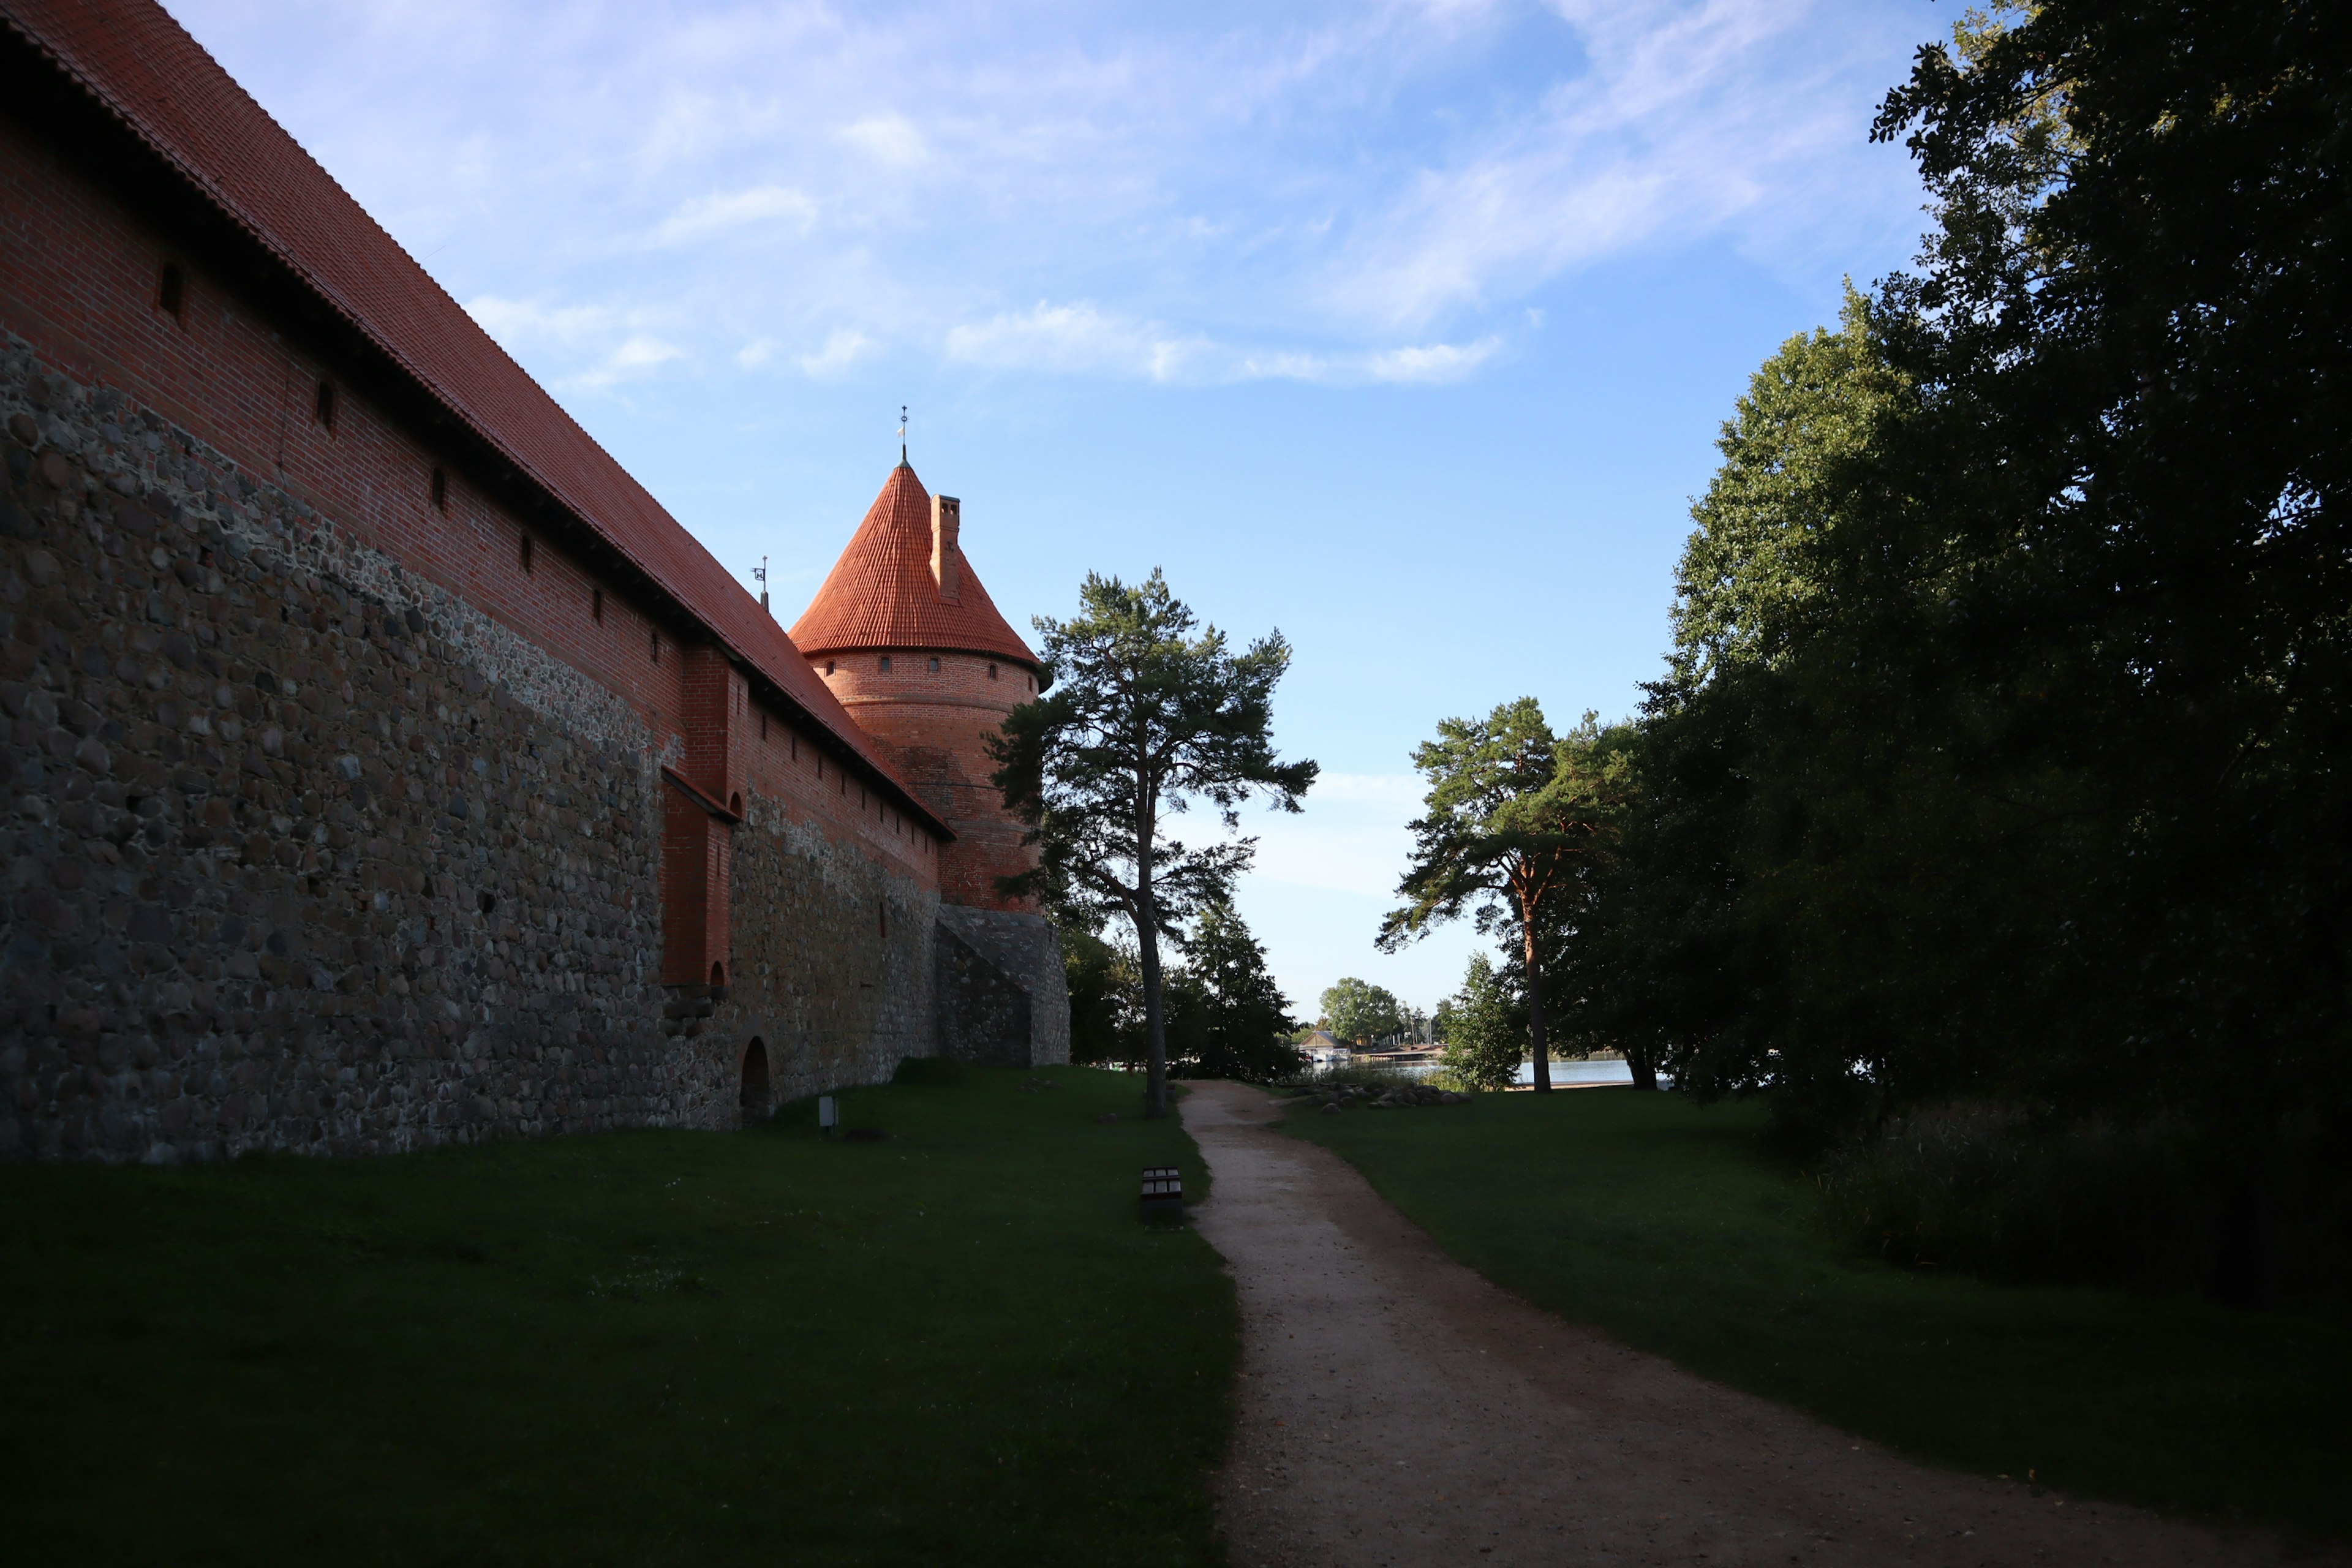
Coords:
pixel 305 852
pixel 359 791
pixel 907 638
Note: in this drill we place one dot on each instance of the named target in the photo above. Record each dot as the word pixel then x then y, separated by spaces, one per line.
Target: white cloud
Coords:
pixel 1693 117
pixel 1073 338
pixel 1330 192
pixel 1431 362
pixel 887 139
pixel 636 355
pixel 843 348
pixel 1081 338
pixel 1387 789
pixel 712 215
pixel 518 321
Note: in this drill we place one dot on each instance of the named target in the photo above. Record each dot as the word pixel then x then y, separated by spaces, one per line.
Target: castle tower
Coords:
pixel 908 639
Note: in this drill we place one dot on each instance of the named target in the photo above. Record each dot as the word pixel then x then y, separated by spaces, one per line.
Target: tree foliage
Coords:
pixel 1104 1003
pixel 1357 1010
pixel 1511 824
pixel 2003 751
pixel 1227 1018
pixel 1148 715
pixel 1486 1032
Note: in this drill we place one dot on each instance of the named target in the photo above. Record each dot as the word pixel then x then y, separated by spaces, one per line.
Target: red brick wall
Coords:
pixel 933 722
pixel 78 279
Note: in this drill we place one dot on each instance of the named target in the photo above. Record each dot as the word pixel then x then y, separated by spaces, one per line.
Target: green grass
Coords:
pixel 1670 1227
pixel 959 1345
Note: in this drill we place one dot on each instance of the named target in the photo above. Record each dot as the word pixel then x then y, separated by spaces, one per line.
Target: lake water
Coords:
pixel 1576 1075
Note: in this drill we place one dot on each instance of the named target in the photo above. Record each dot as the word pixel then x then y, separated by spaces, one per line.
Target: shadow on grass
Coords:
pixel 641 1347
pixel 1674 1230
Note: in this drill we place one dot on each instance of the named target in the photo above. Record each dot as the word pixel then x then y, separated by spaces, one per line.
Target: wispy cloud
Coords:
pixel 513 321
pixel 635 355
pixel 887 139
pixel 1081 338
pixel 1337 193
pixel 843 347
pixel 705 216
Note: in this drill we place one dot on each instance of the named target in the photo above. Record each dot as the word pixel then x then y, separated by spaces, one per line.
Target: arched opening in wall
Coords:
pixel 754 1096
pixel 172 294
pixel 735 803
pixel 322 406
pixel 717 974
pixel 437 490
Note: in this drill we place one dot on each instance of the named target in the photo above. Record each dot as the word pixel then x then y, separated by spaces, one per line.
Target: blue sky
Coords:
pixel 1405 327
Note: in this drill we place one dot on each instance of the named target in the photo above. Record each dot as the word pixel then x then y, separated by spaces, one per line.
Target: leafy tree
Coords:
pixel 1486 1037
pixel 1511 820
pixel 1231 1017
pixel 2003 751
pixel 1105 1004
pixel 1146 716
pixel 1814 414
pixel 1357 1010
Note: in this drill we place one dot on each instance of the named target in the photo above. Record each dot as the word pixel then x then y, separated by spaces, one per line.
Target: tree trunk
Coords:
pixel 1535 1010
pixel 1644 1065
pixel 1155 1029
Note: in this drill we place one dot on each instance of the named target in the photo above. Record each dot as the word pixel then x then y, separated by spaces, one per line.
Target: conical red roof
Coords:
pixel 881 593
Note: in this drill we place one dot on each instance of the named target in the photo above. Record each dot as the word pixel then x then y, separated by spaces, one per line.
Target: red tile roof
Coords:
pixel 146 72
pixel 881 593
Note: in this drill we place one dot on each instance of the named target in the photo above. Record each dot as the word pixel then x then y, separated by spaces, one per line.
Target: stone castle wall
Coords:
pixel 935 711
pixel 305 852
pixel 335 783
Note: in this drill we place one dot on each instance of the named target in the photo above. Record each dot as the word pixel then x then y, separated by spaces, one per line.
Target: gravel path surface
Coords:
pixel 1397 1409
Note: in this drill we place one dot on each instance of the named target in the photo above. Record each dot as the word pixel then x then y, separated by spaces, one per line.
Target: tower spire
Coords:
pixel 902 436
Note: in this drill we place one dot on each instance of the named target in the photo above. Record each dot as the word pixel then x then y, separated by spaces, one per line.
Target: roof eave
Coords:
pixel 419 386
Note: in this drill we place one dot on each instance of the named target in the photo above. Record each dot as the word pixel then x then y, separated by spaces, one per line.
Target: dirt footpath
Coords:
pixel 1397 1409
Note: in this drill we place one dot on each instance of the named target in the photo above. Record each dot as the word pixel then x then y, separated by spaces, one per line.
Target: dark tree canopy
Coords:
pixel 2005 751
pixel 1227 1018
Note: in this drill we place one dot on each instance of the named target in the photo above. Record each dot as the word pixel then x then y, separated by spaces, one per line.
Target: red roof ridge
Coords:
pixel 883 593
pixel 147 72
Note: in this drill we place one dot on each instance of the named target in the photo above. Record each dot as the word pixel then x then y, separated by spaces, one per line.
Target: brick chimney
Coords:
pixel 946 519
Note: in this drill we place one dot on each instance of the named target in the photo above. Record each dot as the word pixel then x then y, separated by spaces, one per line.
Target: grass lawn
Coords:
pixel 957 1345
pixel 1668 1225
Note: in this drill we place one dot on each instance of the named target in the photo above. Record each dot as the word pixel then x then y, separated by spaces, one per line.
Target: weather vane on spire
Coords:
pixel 762 573
pixel 902 433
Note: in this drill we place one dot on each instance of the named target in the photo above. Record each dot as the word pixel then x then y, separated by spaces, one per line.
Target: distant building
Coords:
pixel 1323 1051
